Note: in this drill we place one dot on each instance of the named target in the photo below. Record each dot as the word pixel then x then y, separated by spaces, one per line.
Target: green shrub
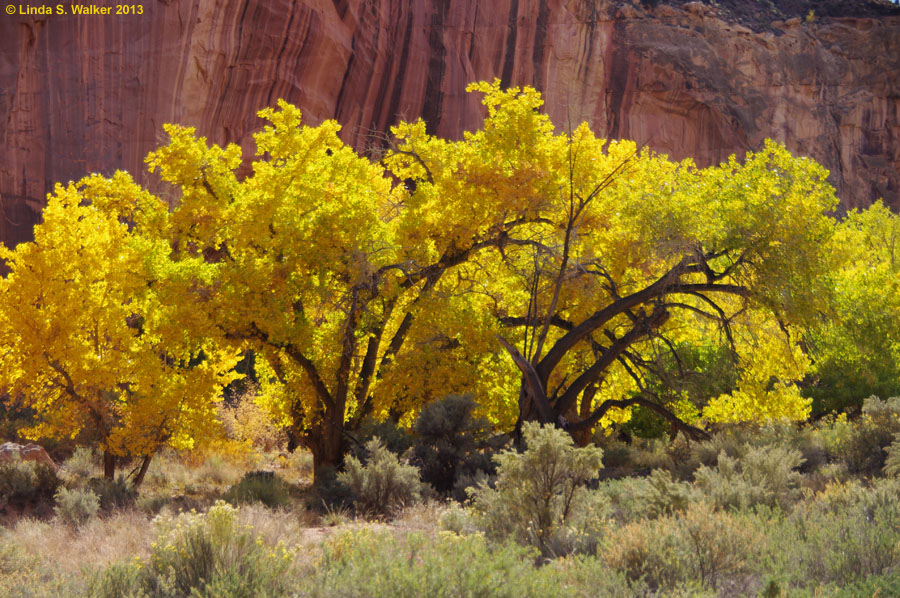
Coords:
pixel 884 585
pixel 217 470
pixel 892 459
pixel 862 444
pixel 366 564
pixel 119 580
pixel 200 556
pixel 113 494
pixel 22 481
pixel 539 498
pixel 84 463
pixel 458 520
pixel 383 484
pixel 647 497
pixel 617 455
pixel 590 577
pixel 331 493
pixel 24 574
pixel 394 437
pixel 652 453
pixel 450 445
pixel 259 486
pixel 733 441
pixel 622 497
pixel 697 545
pixel 76 506
pixel 845 534
pixel 152 504
pixel 763 476
pixel 662 495
pixel 17 481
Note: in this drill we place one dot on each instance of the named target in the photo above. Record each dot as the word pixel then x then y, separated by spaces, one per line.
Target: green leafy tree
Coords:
pixel 856 344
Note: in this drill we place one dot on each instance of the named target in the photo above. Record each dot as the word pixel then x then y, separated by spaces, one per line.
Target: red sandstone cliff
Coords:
pixel 90 93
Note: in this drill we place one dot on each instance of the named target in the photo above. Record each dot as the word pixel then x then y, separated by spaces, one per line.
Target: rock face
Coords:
pixel 10 451
pixel 90 93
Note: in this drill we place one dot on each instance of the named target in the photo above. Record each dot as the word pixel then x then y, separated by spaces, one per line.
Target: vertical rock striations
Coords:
pixel 90 93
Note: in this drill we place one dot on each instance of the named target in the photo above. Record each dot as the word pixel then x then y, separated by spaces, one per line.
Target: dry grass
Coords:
pixel 96 543
pixel 283 526
pixel 421 517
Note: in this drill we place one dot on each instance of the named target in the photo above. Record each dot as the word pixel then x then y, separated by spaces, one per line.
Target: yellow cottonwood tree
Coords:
pixel 85 340
pixel 541 270
pixel 345 285
pixel 372 287
pixel 625 254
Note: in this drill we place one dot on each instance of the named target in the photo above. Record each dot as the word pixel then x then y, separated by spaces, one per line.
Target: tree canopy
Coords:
pixel 554 275
pixel 86 339
pixel 855 345
pixel 624 254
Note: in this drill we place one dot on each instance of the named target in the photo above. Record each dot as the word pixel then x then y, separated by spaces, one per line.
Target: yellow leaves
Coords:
pixel 364 286
pixel 767 389
pixel 80 329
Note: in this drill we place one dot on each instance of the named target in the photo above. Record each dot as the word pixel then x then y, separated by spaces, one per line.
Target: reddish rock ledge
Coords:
pixel 90 93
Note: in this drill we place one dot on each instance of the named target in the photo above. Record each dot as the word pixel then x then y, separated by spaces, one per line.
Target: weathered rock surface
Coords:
pixel 90 93
pixel 10 451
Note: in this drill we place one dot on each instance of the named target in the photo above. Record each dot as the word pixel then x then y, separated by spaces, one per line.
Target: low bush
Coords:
pixel 259 486
pixel 200 556
pixel 113 494
pixel 76 506
pixel 539 498
pixel 365 564
pixel 892 458
pixel 617 455
pixel 847 533
pixel 450 445
pixel 650 454
pixel 636 498
pixel 24 575
pixel 731 440
pixel 458 520
pixel 152 504
pixel 217 471
pixel 23 481
pixel 661 495
pixel 700 545
pixel 584 576
pixel 763 476
pixel 393 436
pixel 84 463
pixel 383 483
pixel 861 444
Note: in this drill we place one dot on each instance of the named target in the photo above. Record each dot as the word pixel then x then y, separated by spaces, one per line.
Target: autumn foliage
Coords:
pixel 553 275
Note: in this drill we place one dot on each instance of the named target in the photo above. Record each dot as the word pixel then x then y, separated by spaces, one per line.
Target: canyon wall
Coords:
pixel 89 93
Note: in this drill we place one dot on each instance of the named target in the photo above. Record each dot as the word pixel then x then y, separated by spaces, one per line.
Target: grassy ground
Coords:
pixel 778 511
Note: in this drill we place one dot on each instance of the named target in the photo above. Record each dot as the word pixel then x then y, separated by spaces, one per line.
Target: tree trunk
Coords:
pixel 109 465
pixel 326 443
pixel 294 440
pixel 145 465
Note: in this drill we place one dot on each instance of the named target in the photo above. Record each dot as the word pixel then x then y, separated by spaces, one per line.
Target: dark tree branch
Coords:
pixel 593 373
pixel 535 388
pixel 693 432
pixel 294 353
pixel 558 321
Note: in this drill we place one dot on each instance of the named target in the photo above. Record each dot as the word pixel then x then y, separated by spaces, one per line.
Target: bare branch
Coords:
pixel 535 388
pixel 693 432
